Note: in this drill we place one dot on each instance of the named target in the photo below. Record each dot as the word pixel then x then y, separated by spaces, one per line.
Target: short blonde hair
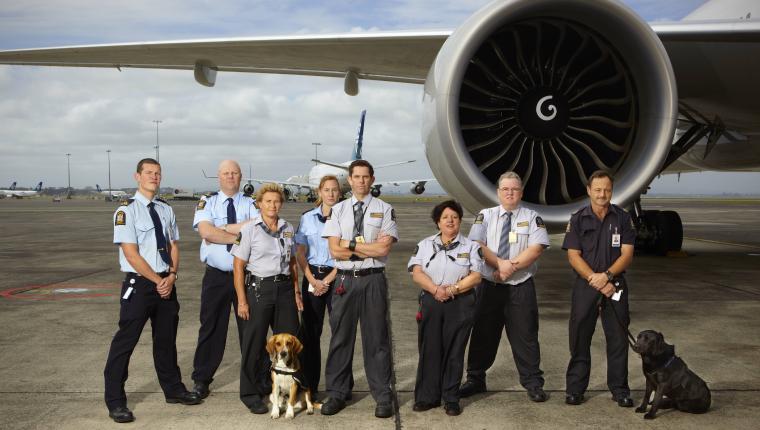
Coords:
pixel 270 187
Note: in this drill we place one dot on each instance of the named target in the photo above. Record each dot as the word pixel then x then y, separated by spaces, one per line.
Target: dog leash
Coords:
pixel 631 340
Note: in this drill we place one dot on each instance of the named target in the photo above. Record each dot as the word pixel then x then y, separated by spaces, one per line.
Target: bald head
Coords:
pixel 229 177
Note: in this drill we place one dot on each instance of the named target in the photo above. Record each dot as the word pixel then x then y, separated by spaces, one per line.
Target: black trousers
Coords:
pixel 365 301
pixel 313 321
pixel 143 304
pixel 217 298
pixel 584 310
pixel 515 308
pixel 441 339
pixel 271 304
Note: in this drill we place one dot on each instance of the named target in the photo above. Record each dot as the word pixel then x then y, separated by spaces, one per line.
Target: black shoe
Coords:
pixel 623 400
pixel 383 410
pixel 537 394
pixel 424 406
pixel 201 389
pixel 258 407
pixel 452 409
pixel 471 387
pixel 332 406
pixel 574 399
pixel 121 414
pixel 186 398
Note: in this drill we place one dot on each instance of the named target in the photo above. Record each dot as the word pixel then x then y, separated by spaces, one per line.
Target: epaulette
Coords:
pixel 211 194
pixel 256 205
pixel 163 201
pixel 307 210
pixel 126 202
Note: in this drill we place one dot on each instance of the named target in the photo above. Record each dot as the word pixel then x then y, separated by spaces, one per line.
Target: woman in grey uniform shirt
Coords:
pixel 447 267
pixel 267 291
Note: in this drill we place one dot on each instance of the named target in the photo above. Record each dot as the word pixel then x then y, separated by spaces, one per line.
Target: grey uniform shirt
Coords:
pixel 378 217
pixel 212 208
pixel 133 224
pixel 267 252
pixel 447 265
pixel 528 226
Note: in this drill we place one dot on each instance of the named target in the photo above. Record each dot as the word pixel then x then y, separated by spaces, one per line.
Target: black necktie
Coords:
pixel 231 216
pixel 358 219
pixel 158 228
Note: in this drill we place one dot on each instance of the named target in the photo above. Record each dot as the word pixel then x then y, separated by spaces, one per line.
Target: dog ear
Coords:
pixel 270 345
pixel 297 346
pixel 659 343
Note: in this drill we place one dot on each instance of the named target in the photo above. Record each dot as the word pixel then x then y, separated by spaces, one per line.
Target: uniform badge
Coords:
pixel 463 255
pixel 540 222
pixel 524 224
pixel 121 218
pixel 393 214
pixel 288 234
pixel 201 205
pixel 567 230
pixel 480 252
pixel 375 214
pixel 416 250
pixel 237 240
pixel 479 219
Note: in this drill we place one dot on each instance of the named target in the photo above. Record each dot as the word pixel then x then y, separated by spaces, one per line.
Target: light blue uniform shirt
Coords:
pixel 378 217
pixel 212 208
pixel 310 234
pixel 133 224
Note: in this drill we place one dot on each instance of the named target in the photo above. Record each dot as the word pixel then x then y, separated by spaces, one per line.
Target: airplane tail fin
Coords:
pixel 13 185
pixel 357 155
pixel 38 187
pixel 97 187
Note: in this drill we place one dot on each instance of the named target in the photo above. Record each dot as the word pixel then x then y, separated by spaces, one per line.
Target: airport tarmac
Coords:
pixel 59 305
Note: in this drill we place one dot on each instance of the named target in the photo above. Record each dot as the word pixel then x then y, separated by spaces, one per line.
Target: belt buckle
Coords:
pixel 355 272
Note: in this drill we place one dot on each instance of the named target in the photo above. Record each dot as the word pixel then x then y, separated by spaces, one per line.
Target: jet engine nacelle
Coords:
pixel 375 191
pixel 553 90
pixel 417 188
pixel 248 189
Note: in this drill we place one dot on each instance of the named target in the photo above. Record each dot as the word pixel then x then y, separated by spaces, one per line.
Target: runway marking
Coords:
pixel 743 245
pixel 57 291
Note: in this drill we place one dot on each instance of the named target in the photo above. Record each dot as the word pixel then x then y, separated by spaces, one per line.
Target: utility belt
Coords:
pixel 356 273
pixel 253 282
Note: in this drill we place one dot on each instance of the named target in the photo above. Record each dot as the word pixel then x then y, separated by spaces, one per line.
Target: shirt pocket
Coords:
pixel 461 268
pixel 145 231
pixel 372 227
pixel 219 221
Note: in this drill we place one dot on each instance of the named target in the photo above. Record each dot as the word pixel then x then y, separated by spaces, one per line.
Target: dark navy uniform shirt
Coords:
pixel 593 237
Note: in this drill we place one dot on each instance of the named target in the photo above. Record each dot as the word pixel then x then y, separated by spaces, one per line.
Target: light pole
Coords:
pixel 157 121
pixel 68 170
pixel 110 194
pixel 316 144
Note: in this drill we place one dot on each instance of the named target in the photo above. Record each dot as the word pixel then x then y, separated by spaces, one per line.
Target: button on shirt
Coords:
pixel 310 234
pixel 528 226
pixel 446 266
pixel 213 209
pixel 267 253
pixel 378 217
pixel 133 224
pixel 593 237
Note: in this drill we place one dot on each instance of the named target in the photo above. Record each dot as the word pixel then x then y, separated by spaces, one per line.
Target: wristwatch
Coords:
pixel 175 275
pixel 352 245
pixel 610 276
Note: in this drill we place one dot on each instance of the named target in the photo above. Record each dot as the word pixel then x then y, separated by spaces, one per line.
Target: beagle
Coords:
pixel 287 378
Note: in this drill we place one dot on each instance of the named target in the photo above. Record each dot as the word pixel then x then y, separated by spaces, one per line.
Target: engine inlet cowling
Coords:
pixel 552 90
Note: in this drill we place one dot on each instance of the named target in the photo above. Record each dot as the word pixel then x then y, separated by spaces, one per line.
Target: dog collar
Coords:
pixel 283 371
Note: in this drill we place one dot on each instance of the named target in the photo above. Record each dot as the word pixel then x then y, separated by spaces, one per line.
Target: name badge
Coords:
pixel 359 239
pixel 616 296
pixel 616 239
pixel 375 214
pixel 128 292
pixel 463 255
pixel 512 237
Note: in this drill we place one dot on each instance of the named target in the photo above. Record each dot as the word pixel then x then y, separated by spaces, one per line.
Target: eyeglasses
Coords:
pixel 513 190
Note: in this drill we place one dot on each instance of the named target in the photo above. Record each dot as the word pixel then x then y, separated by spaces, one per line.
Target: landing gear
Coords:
pixel 657 232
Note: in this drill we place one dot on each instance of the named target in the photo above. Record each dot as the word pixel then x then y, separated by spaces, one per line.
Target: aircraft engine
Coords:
pixel 553 90
pixel 375 191
pixel 417 189
pixel 248 189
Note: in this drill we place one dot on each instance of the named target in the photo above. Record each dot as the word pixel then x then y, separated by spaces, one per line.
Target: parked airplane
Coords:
pixel 310 182
pixel 552 89
pixel 112 193
pixel 17 194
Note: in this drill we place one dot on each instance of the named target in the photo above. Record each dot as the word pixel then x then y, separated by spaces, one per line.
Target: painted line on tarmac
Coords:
pixel 58 291
pixel 718 242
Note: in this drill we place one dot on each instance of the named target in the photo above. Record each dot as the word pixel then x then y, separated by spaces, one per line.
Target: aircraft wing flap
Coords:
pixel 401 56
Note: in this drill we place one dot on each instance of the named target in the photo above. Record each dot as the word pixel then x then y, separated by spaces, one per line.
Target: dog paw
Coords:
pixel 641 409
pixel 290 414
pixel 310 410
pixel 275 413
pixel 649 416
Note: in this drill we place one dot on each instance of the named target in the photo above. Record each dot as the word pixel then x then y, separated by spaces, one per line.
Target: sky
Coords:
pixel 267 122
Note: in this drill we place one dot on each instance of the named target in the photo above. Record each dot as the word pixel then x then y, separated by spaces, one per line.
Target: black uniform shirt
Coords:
pixel 593 237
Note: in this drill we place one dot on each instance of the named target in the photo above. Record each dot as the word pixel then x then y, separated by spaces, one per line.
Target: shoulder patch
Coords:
pixel 126 202
pixel 121 218
pixel 540 222
pixel 480 252
pixel 237 240
pixel 479 219
pixel 201 205
pixel 416 250
pixel 393 214
pixel 567 230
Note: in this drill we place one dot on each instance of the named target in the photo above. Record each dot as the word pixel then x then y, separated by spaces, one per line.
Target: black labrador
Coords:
pixel 668 375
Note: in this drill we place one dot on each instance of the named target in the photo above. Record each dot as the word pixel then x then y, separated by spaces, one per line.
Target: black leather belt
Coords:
pixel 137 275
pixel 275 278
pixel 219 270
pixel 320 269
pixel 361 272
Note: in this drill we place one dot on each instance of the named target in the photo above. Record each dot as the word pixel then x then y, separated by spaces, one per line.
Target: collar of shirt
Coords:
pixel 367 199
pixel 317 212
pixel 235 197
pixel 142 199
pixel 588 212
pixel 258 219
pixel 457 239
pixel 514 211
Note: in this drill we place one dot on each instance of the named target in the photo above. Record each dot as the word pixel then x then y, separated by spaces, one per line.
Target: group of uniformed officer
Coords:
pixel 470 285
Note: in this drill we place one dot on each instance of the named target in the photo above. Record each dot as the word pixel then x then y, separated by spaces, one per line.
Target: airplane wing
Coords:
pixel 397 57
pixel 398 163
pixel 283 183
pixel 406 181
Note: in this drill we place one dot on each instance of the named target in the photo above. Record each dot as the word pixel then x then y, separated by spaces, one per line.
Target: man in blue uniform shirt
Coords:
pixel 146 232
pixel 219 217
